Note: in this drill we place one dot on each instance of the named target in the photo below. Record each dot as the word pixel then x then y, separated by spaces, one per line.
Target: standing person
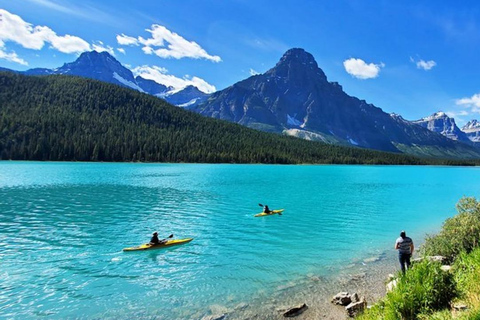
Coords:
pixel 405 248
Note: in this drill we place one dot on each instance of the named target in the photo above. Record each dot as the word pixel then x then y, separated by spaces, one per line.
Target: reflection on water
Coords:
pixel 63 227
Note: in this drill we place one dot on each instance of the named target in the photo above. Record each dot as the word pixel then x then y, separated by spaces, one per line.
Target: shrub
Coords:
pixel 422 290
pixel 459 233
pixel 467 276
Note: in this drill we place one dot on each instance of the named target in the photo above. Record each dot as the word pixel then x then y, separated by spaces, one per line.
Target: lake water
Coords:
pixel 63 227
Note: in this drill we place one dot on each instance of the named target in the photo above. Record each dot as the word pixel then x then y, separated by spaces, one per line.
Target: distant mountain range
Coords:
pixel 295 98
pixel 104 67
pixel 64 118
pixel 441 123
pixel 472 130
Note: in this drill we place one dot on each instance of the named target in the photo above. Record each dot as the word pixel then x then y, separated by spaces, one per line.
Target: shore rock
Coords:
pixel 436 258
pixel 415 260
pixel 446 268
pixel 215 317
pixel 391 285
pixel 460 307
pixel 354 308
pixel 296 311
pixel 344 298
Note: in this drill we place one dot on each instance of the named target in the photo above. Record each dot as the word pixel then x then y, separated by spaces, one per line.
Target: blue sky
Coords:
pixel 409 57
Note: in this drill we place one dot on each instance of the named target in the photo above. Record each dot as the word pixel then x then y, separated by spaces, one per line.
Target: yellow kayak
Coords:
pixel 168 243
pixel 263 214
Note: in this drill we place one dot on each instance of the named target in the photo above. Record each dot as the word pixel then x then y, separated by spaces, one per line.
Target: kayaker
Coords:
pixel 154 239
pixel 266 209
pixel 405 248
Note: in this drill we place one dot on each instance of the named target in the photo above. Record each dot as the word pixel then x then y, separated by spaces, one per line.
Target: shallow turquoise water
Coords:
pixel 63 227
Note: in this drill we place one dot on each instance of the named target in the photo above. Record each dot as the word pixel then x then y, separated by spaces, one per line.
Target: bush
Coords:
pixel 459 233
pixel 467 276
pixel 422 290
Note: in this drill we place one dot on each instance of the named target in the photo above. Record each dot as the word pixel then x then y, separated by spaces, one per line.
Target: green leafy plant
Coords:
pixel 459 233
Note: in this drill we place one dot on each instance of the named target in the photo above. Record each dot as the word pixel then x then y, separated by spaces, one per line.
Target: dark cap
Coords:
pixel 403 234
pixel 155 233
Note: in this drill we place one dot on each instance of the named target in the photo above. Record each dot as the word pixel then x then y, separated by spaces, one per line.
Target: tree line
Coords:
pixel 65 118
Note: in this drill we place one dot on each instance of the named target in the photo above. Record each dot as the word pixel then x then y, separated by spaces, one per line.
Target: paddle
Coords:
pixel 170 236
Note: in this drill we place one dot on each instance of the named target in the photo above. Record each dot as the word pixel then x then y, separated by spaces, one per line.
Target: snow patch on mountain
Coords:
pixel 307 135
pixel 293 122
pixel 189 103
pixel 126 82
pixel 355 143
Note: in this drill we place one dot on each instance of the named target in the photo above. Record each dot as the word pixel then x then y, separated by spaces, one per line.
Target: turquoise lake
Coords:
pixel 63 227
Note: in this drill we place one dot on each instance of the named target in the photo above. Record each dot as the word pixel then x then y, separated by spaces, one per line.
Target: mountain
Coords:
pixel 104 67
pixel 295 98
pixel 472 130
pixel 441 123
pixel 66 118
pixel 187 97
pixel 152 87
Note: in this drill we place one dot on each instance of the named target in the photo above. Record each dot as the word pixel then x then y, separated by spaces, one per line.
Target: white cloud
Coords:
pixel 422 64
pixel 121 50
pixel 473 103
pixel 459 116
pixel 161 76
pixel 453 114
pixel 13 28
pixel 426 65
pixel 126 40
pixel 253 72
pixel 100 47
pixel 167 44
pixel 361 70
pixel 12 57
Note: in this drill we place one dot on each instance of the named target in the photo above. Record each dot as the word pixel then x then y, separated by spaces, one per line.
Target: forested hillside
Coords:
pixel 66 118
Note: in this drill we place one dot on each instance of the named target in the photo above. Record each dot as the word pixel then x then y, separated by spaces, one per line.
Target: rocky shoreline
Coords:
pixel 365 277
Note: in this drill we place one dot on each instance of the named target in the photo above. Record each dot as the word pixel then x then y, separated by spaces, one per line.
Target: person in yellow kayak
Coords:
pixel 155 239
pixel 266 209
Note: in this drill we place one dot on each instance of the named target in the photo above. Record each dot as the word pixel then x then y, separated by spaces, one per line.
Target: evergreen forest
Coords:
pixel 65 118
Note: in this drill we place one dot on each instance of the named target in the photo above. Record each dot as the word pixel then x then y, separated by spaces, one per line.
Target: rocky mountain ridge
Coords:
pixel 441 123
pixel 104 67
pixel 295 98
pixel 472 130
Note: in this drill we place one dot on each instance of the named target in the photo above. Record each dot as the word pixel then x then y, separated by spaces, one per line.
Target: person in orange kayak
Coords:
pixel 266 209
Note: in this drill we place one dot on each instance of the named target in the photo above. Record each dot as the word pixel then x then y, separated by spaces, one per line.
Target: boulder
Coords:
pixel 391 285
pixel 344 298
pixel 446 268
pixel 293 312
pixel 460 307
pixel 215 317
pixel 355 308
pixel 436 258
pixel 415 260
